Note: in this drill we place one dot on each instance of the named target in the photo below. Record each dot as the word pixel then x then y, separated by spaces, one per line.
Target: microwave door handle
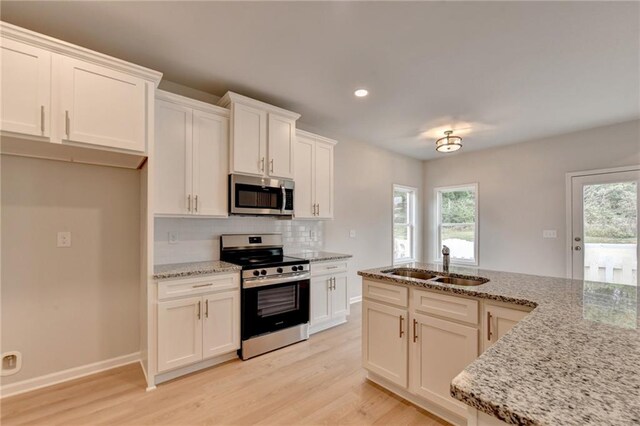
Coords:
pixel 284 199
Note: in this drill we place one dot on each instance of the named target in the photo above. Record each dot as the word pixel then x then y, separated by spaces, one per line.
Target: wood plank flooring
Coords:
pixel 319 381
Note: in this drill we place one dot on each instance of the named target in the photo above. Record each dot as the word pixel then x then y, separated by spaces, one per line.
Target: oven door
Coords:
pixel 273 307
pixel 251 195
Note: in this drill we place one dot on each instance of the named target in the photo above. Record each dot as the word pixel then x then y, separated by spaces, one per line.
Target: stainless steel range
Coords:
pixel 275 292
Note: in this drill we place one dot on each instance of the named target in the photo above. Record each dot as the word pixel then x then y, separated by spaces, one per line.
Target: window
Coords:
pixel 457 223
pixel 404 222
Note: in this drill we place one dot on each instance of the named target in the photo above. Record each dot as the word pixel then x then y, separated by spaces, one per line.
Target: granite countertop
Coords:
pixel 181 270
pixel 320 256
pixel 574 360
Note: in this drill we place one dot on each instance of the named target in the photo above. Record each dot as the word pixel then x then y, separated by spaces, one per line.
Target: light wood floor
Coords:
pixel 319 381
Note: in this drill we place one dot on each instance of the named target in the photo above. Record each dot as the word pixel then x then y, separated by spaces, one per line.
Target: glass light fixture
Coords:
pixel 449 143
pixel 361 93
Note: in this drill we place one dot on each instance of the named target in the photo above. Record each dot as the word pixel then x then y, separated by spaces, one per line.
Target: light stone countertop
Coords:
pixel 574 360
pixel 320 256
pixel 190 269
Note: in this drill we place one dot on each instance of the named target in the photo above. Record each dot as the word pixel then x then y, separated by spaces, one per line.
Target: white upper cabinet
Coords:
pixel 191 157
pixel 262 141
pixel 26 88
pixel 101 106
pixel 313 176
pixel 69 95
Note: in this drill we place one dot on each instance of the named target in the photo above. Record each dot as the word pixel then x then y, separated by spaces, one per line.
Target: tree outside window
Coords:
pixel 457 223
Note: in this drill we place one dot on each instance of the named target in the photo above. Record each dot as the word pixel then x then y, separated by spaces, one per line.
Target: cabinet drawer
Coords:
pixel 454 307
pixel 200 285
pixel 389 293
pixel 328 268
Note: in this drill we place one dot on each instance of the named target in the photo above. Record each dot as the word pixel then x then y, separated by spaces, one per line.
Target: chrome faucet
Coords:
pixel 445 259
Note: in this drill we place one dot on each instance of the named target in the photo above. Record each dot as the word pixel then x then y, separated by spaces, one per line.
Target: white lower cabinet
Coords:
pixel 204 325
pixel 415 341
pixel 329 295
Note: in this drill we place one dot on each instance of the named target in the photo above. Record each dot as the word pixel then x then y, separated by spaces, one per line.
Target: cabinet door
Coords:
pixel 320 300
pixel 324 179
pixel 101 106
pixel 282 138
pixel 249 140
pixel 210 164
pixel 179 333
pixel 304 177
pixel 497 322
pixel 384 341
pixel 221 331
pixel 440 350
pixel 173 159
pixel 340 296
pixel 26 88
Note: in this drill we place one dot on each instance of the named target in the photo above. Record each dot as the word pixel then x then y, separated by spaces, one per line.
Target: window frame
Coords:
pixel 411 223
pixel 438 223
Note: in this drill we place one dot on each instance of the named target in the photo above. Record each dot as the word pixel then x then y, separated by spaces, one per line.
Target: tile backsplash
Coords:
pixel 199 239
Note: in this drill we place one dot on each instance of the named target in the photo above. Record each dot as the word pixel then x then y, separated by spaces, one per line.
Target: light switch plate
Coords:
pixel 549 233
pixel 352 233
pixel 64 239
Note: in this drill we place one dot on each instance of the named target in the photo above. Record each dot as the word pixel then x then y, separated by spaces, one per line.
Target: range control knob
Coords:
pixel 294 268
pixel 263 272
pixel 256 273
pixel 280 270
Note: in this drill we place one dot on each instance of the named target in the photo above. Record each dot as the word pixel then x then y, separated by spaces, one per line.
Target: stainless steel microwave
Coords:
pixel 256 196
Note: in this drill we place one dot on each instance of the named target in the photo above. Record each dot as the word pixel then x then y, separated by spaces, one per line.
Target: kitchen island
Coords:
pixel 573 360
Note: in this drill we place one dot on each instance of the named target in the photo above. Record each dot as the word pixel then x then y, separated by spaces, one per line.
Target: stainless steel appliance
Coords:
pixel 250 195
pixel 275 292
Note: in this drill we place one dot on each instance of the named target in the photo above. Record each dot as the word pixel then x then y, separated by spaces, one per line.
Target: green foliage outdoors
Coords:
pixel 458 207
pixel 610 213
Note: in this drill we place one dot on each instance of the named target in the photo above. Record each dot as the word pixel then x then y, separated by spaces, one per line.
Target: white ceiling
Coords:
pixel 504 71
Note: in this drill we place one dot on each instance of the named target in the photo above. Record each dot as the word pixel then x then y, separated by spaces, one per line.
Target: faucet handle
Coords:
pixel 445 251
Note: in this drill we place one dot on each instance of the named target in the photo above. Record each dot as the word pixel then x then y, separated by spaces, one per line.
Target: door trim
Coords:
pixel 569 206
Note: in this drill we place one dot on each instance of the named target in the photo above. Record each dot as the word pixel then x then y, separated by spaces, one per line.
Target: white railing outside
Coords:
pixel 613 263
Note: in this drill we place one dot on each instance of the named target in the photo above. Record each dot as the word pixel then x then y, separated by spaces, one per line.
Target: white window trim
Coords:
pixel 438 221
pixel 412 225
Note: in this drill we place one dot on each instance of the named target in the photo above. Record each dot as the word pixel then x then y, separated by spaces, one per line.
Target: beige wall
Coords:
pixel 67 307
pixel 364 177
pixel 522 192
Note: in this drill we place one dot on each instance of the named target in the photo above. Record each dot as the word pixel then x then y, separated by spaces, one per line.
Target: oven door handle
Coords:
pixel 261 282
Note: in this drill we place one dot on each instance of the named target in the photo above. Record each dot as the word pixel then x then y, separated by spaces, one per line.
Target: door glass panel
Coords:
pixel 610 232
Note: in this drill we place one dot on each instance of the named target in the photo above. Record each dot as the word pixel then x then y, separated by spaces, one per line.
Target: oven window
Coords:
pixel 274 301
pixel 252 196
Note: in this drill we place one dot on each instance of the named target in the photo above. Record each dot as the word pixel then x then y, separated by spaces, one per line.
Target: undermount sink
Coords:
pixel 458 281
pixel 413 274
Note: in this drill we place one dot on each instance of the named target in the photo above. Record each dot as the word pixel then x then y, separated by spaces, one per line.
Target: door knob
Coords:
pixel 577 248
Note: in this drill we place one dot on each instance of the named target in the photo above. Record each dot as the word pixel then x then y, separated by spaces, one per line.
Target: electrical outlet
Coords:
pixel 313 235
pixel 173 237
pixel 352 233
pixel 64 239
pixel 549 233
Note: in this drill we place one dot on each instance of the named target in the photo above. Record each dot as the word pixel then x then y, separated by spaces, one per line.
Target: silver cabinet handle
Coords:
pixel 196 203
pixel 332 267
pixel 189 202
pixel 329 284
pixel 199 308
pixel 318 210
pixel 206 308
pixel 271 166
pixel 334 283
pixel 42 118
pixel 67 123
pixel 401 327
pixel 262 165
pixel 201 285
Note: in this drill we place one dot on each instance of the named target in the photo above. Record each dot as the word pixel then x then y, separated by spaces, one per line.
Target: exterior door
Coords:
pixel 210 164
pixel 101 106
pixel 340 297
pixel 179 333
pixel 440 350
pixel 324 179
pixel 320 307
pixel 605 227
pixel 26 88
pixel 304 176
pixel 221 329
pixel 249 139
pixel 282 138
pixel 173 159
pixel 384 341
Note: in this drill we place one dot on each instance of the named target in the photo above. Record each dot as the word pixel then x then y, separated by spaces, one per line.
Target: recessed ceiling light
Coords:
pixel 361 93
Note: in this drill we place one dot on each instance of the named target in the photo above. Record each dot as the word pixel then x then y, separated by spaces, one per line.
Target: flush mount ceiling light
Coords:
pixel 361 93
pixel 449 143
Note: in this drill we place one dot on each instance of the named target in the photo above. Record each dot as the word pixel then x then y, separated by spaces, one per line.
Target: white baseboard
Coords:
pixel 66 375
pixel 355 299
